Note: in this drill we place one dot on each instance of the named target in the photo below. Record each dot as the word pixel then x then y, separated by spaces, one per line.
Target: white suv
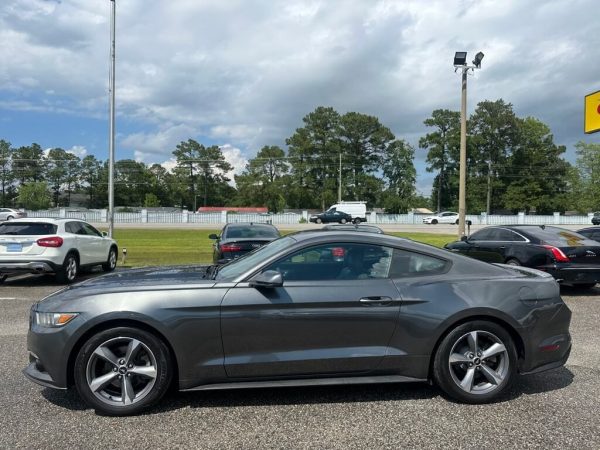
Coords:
pixel 59 246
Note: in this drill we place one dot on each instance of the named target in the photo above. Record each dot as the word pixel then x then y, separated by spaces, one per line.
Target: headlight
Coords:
pixel 53 319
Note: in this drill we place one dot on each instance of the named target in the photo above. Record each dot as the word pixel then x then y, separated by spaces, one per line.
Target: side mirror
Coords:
pixel 104 234
pixel 464 238
pixel 213 236
pixel 268 279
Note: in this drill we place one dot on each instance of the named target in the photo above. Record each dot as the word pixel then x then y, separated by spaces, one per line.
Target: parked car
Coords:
pixel 353 227
pixel 443 217
pixel 237 239
pixel 10 214
pixel 357 210
pixel 592 233
pixel 332 215
pixel 568 256
pixel 596 218
pixel 59 246
pixel 311 308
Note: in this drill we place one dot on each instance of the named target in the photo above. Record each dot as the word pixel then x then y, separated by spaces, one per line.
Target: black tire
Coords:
pixel 3 278
pixel 343 221
pixel 318 220
pixel 69 269
pixel 356 221
pixel 513 262
pixel 111 261
pixel 110 398
pixel 476 377
pixel 456 223
pixel 434 222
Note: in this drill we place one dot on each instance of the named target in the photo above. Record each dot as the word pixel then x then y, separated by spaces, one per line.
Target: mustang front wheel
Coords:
pixel 122 371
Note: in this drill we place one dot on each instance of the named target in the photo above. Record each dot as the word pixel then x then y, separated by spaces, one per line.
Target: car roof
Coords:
pixel 249 224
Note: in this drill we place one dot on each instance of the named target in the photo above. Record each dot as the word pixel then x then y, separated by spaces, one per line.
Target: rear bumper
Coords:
pixel 547 343
pixel 27 267
pixel 574 275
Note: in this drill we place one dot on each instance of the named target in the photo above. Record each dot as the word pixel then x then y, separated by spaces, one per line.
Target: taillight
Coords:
pixel 230 248
pixel 557 253
pixel 54 241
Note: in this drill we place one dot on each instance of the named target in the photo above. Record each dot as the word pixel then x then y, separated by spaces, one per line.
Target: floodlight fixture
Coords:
pixel 460 58
pixel 477 60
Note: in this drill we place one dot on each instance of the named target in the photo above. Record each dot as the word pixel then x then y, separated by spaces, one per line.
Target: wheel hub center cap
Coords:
pixel 477 361
pixel 122 370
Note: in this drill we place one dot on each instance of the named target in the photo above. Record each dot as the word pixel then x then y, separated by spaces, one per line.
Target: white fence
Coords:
pixel 145 216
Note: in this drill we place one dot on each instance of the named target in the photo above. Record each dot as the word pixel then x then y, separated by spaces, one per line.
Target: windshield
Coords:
pixel 239 266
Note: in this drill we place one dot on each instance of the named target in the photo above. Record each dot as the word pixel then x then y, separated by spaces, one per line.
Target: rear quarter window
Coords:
pixel 27 229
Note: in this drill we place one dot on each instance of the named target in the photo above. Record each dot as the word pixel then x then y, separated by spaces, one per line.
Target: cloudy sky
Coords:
pixel 242 73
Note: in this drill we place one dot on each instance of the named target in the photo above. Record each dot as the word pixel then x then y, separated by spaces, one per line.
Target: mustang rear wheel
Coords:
pixel 343 221
pixel 122 371
pixel 434 222
pixel 475 362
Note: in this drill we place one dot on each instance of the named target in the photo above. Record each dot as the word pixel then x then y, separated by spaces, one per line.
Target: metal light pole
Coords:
pixel 460 63
pixel 340 180
pixel 111 130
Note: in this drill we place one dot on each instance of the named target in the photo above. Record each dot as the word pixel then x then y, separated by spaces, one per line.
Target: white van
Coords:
pixel 358 210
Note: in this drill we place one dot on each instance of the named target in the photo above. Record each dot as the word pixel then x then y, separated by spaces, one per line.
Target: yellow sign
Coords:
pixel 592 112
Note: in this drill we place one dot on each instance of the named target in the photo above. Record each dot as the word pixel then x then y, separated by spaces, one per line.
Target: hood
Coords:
pixel 135 280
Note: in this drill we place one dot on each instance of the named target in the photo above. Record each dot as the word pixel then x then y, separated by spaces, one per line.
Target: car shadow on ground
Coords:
pixel 579 291
pixel 394 392
pixel 41 280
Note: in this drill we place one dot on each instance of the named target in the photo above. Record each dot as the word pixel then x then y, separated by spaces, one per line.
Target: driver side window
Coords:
pixel 335 261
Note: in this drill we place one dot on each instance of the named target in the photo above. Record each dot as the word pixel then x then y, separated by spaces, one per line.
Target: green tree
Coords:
pixel 443 145
pixel 28 163
pixel 91 176
pixel 6 173
pixel 314 153
pixel 493 129
pixel 34 195
pixel 364 147
pixel 261 182
pixel 205 171
pixel 62 170
pixel 151 200
pixel 536 174
pixel 400 174
pixel 588 164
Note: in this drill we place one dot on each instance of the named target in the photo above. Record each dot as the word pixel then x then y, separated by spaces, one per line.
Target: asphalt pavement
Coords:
pixel 556 409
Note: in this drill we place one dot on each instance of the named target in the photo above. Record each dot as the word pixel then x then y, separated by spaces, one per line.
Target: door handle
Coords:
pixel 376 300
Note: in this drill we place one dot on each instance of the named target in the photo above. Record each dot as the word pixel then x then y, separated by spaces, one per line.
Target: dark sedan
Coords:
pixel 568 256
pixel 312 308
pixel 332 216
pixel 237 239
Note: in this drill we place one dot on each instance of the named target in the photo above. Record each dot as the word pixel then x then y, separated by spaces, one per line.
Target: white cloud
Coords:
pixel 247 72
pixel 78 150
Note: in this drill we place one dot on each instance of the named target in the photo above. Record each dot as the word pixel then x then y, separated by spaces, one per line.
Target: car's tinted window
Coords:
pixel 72 227
pixel 90 230
pixel 331 261
pixel 250 231
pixel 483 235
pixel 406 263
pixel 558 237
pixel 27 228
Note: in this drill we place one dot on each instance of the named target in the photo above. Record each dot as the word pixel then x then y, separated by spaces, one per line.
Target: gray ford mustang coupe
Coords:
pixel 311 308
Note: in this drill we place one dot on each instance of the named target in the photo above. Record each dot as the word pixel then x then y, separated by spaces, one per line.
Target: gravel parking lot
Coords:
pixel 557 409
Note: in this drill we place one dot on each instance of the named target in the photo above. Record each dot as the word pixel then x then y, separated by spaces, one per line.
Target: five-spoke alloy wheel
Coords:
pixel 475 362
pixel 122 371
